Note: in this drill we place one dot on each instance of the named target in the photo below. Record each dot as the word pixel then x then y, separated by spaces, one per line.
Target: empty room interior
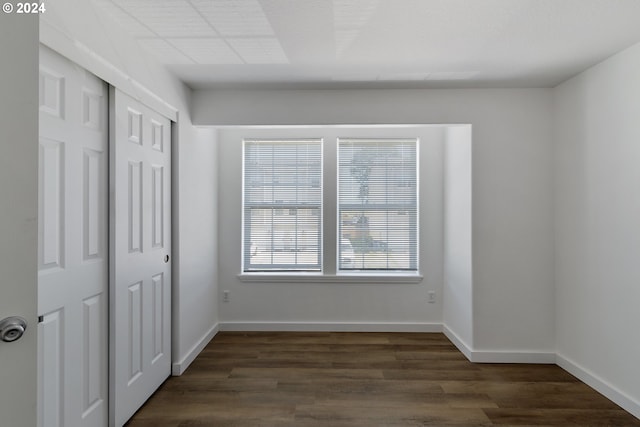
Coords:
pixel 320 213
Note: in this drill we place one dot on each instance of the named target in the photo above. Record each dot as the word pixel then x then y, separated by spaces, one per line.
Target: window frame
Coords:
pixel 415 220
pixel 246 266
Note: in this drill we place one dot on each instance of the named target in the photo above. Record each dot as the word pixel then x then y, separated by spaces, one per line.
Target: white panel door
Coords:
pixel 72 245
pixel 140 336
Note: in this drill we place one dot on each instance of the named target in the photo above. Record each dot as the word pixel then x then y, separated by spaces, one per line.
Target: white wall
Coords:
pixel 93 40
pixel 339 304
pixel 597 139
pixel 458 275
pixel 195 302
pixel 19 214
pixel 512 188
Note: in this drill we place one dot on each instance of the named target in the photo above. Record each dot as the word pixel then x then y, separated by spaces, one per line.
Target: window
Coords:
pixel 294 203
pixel 282 205
pixel 377 204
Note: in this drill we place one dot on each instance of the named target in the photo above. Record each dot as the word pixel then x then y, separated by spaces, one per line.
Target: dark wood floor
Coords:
pixel 291 379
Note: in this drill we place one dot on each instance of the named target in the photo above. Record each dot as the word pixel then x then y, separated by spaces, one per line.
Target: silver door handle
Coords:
pixel 12 328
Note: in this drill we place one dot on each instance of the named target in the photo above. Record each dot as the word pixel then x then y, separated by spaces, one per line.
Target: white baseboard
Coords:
pixel 178 368
pixel 458 342
pixel 627 403
pixel 484 356
pixel 330 327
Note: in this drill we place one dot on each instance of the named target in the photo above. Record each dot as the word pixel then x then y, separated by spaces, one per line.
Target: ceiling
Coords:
pixel 378 43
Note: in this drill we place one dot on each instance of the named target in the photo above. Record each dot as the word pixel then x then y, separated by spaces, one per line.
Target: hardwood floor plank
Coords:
pixel 402 401
pixel 524 372
pixel 516 388
pixel 437 354
pixel 293 373
pixel 342 379
pixel 409 365
pixel 370 356
pixel 381 415
pixel 326 386
pixel 563 417
pixel 227 384
pixel 433 374
pixel 555 401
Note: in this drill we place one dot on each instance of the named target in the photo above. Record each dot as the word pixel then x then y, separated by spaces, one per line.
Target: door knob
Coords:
pixel 12 328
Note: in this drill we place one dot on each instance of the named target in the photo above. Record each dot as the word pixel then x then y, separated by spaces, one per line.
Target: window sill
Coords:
pixel 330 278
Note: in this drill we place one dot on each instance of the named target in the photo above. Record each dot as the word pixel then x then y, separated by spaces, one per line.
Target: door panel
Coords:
pixel 140 337
pixel 72 247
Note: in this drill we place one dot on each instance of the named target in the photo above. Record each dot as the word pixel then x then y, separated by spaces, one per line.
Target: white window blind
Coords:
pixel 377 204
pixel 282 205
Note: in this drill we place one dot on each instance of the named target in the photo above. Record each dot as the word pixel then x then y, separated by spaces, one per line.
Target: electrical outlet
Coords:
pixel 431 295
pixel 225 296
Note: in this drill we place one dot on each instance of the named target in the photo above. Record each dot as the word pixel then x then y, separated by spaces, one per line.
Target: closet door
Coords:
pixel 140 336
pixel 72 245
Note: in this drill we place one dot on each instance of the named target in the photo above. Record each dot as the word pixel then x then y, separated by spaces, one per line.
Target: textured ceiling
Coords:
pixel 378 43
